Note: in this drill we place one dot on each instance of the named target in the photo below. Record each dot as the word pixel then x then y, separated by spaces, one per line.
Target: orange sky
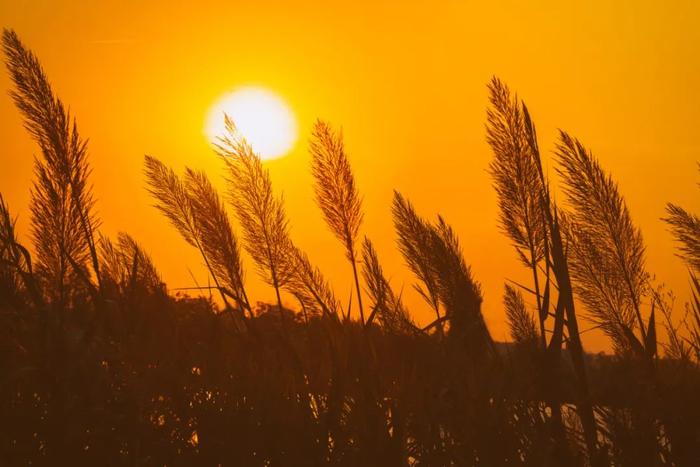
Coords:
pixel 407 82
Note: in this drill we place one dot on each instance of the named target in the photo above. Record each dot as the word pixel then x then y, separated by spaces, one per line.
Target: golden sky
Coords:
pixel 407 82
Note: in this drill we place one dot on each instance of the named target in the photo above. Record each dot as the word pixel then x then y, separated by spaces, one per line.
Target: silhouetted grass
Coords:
pixel 260 213
pixel 532 220
pixel 686 228
pixel 386 306
pixel 63 217
pixel 336 194
pixel 104 366
pixel 607 249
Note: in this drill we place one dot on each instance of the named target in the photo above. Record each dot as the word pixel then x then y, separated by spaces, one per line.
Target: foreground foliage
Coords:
pixel 100 364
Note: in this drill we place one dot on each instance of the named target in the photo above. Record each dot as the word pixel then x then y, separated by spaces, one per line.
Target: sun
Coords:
pixel 262 117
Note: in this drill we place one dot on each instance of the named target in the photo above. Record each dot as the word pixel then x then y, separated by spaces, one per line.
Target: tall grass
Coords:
pixel 517 183
pixel 608 263
pixel 336 193
pixel 414 241
pixel 387 306
pixel 523 329
pixel 193 208
pixel 218 239
pixel 685 228
pixel 260 213
pixel 309 286
pixel 532 221
pixel 127 266
pixel 63 215
pixel 15 263
pixel 102 365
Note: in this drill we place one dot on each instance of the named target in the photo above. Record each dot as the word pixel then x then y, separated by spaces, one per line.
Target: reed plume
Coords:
pixel 260 213
pixel 63 215
pixel 387 306
pixel 16 274
pixel 10 260
pixel 533 221
pixel 694 308
pixel 519 186
pixel 217 237
pixel 523 329
pixel 336 193
pixel 459 292
pixel 171 198
pixel 433 253
pixel 685 227
pixel 607 250
pixel 126 265
pixel 309 286
pixel 175 202
pixel 515 174
pixel 414 240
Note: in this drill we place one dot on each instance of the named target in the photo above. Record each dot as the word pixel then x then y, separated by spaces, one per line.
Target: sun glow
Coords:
pixel 261 116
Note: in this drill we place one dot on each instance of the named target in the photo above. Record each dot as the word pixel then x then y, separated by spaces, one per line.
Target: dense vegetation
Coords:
pixel 101 365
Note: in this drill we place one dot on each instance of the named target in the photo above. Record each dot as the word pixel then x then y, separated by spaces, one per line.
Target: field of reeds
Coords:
pixel 101 365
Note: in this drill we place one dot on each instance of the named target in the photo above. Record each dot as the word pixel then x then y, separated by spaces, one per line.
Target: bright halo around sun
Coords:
pixel 261 116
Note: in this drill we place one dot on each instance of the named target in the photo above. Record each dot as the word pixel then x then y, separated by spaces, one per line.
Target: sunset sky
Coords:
pixel 406 81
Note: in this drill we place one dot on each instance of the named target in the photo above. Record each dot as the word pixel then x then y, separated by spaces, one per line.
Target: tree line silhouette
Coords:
pixel 102 365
